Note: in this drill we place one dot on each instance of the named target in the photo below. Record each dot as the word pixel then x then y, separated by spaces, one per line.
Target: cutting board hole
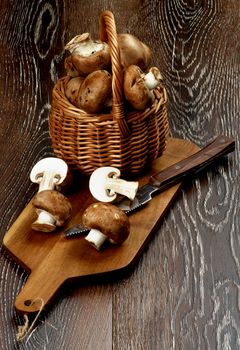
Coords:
pixel 28 302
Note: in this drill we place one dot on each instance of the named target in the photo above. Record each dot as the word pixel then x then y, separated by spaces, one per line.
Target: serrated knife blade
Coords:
pixel 170 176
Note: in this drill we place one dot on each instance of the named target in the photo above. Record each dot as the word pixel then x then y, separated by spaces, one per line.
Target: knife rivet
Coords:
pixel 177 167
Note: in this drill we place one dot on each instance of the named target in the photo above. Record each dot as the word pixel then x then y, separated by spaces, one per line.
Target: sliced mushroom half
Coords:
pixel 105 184
pixel 49 172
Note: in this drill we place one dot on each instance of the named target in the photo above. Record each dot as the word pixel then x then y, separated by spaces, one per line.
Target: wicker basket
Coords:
pixel 129 141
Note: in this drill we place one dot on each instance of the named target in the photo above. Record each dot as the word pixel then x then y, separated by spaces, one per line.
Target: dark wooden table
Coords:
pixel 184 291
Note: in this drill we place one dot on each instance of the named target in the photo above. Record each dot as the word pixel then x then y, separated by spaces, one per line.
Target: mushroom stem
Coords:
pixel 45 222
pixel 47 182
pixel 45 217
pixel 152 78
pixel 126 188
pixel 96 238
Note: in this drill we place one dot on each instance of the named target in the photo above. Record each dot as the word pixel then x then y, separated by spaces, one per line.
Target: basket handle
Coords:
pixel 108 33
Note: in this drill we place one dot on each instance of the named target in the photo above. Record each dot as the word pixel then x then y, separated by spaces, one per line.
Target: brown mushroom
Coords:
pixel 72 89
pixel 138 87
pixel 134 51
pixel 87 55
pixel 105 221
pixel 53 209
pixel 95 92
pixel 70 68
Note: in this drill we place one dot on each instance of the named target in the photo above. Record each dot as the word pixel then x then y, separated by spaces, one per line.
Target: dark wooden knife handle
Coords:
pixel 190 166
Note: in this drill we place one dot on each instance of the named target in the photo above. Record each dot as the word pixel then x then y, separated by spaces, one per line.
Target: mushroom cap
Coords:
pixel 54 203
pixel 97 183
pixel 134 51
pixel 87 55
pixel 71 70
pixel 54 165
pixel 109 219
pixel 95 91
pixel 72 89
pixel 135 90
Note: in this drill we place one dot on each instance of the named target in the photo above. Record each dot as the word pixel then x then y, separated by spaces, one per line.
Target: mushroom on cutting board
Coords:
pixel 106 222
pixel 138 87
pixel 48 173
pixel 53 209
pixel 95 93
pixel 134 51
pixel 105 184
pixel 86 56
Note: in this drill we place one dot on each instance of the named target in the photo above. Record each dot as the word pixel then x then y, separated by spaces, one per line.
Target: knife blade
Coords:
pixel 170 176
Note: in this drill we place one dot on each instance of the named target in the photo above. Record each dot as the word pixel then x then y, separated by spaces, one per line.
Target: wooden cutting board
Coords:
pixel 53 260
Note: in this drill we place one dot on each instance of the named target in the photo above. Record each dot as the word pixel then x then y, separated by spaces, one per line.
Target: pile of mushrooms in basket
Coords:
pixel 88 66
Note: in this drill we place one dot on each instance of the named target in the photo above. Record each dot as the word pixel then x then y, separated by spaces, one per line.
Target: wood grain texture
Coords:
pixel 53 260
pixel 184 292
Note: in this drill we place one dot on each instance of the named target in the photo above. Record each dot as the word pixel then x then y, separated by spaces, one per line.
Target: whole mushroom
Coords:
pixel 106 222
pixel 134 51
pixel 53 209
pixel 95 92
pixel 105 184
pixel 87 55
pixel 138 87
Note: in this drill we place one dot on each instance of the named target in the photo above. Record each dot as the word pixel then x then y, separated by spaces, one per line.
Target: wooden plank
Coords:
pixel 53 260
pixel 184 291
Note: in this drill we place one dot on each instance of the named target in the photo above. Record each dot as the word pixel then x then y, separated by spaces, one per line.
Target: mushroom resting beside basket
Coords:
pixel 106 222
pixel 49 173
pixel 105 184
pixel 52 207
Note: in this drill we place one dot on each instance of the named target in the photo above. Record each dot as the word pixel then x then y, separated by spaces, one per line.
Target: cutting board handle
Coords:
pixel 53 260
pixel 39 290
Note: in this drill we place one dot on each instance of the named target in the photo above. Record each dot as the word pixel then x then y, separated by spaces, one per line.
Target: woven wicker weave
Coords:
pixel 127 140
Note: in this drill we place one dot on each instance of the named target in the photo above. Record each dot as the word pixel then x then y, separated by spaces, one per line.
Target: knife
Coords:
pixel 170 176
